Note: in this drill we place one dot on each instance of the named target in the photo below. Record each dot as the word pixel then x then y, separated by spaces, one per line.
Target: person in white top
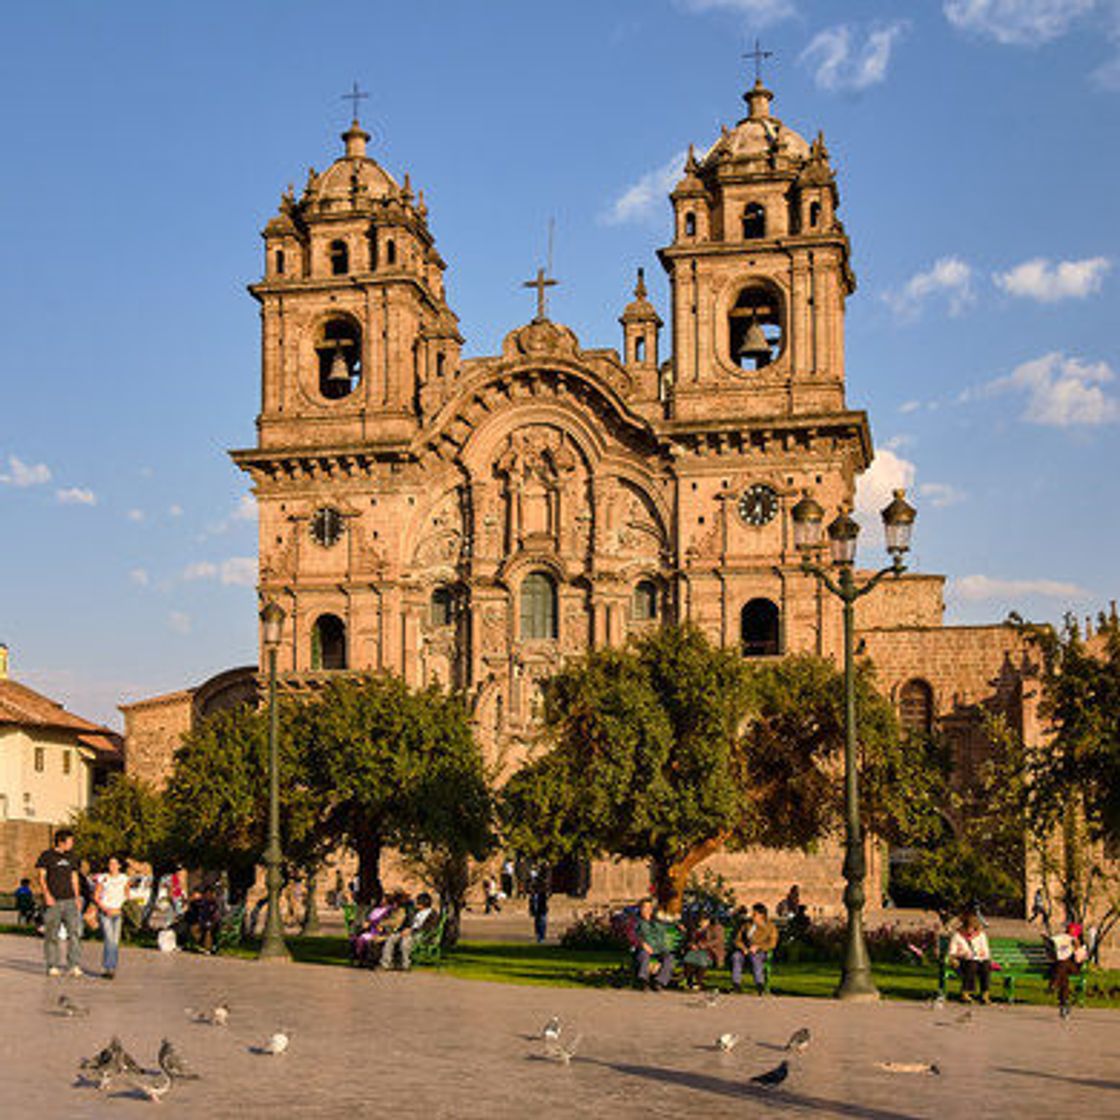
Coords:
pixel 110 895
pixel 969 952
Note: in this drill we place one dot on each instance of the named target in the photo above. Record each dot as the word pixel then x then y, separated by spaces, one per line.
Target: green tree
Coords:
pixel 389 765
pixel 127 819
pixel 671 748
pixel 218 795
pixel 1072 795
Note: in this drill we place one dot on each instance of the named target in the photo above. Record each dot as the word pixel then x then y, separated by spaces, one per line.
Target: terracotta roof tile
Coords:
pixel 27 708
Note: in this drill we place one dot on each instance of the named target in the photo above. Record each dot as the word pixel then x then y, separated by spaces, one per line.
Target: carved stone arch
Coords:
pixel 725 305
pixel 641 519
pixel 436 532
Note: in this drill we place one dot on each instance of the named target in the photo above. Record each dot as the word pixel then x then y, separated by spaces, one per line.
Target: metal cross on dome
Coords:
pixel 355 95
pixel 758 54
pixel 540 283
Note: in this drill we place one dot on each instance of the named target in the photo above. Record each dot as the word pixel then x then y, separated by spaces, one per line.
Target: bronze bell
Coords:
pixel 754 344
pixel 339 373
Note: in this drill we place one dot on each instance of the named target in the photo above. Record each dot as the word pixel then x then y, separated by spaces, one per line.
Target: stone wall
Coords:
pixel 21 843
pixel 153 730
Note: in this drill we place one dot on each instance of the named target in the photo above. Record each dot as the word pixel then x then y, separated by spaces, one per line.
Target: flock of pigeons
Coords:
pixel 113 1065
pixel 558 1048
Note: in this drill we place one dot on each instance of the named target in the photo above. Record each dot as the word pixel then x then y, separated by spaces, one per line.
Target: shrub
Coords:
pixel 709 894
pixel 595 929
pixel 824 941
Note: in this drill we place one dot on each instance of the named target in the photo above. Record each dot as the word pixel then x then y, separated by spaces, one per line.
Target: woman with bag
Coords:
pixel 109 897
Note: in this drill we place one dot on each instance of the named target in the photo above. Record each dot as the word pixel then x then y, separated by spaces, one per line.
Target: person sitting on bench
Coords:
pixel 651 943
pixel 423 918
pixel 970 955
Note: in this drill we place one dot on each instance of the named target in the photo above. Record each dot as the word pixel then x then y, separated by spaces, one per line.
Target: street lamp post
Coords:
pixel 272 944
pixel 843 531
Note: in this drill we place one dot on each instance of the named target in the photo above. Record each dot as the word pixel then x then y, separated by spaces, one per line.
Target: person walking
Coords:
pixel 109 896
pixel 538 905
pixel 58 882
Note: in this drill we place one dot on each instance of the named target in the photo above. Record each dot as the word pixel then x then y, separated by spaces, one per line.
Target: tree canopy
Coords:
pixel 127 819
pixel 671 748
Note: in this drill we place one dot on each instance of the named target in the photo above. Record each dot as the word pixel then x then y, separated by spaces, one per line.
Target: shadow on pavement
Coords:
pixel 1088 1082
pixel 781 1098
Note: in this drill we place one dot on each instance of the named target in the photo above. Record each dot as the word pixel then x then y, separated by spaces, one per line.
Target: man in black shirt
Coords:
pixel 58 880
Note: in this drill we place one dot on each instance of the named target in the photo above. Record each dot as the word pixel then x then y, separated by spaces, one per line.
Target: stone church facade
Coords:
pixel 477 521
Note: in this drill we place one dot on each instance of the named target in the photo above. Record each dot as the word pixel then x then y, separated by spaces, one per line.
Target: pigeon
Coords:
pixel 937 1002
pixel 277 1044
pixel 113 1058
pixel 712 998
pixel 217 1016
pixel 152 1085
pixel 910 1067
pixel 773 1076
pixel 172 1063
pixel 564 1054
pixel 965 1018
pixel 72 1010
pixel 550 1032
pixel 727 1042
pixel 799 1040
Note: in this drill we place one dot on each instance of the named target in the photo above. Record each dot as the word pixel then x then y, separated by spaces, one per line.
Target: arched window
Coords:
pixel 690 224
pixel 439 365
pixel 340 258
pixel 915 707
pixel 754 222
pixel 538 606
pixel 340 358
pixel 755 327
pixel 759 629
pixel 390 252
pixel 280 262
pixel 639 349
pixel 644 605
pixel 328 643
pixel 442 607
pixel 814 214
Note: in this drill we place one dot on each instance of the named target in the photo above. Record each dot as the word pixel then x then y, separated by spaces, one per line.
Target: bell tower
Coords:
pixel 759 271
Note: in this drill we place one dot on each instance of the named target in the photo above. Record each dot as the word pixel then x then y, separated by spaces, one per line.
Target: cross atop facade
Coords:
pixel 355 95
pixel 540 283
pixel 758 54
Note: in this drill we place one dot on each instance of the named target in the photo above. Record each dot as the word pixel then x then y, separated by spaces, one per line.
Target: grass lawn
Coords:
pixel 551 966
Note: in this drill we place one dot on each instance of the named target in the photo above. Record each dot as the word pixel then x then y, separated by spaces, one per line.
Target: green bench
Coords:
pixel 1012 960
pixel 27 911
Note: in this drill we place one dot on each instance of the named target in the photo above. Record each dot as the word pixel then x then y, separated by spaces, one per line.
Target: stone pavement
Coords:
pixel 427 1045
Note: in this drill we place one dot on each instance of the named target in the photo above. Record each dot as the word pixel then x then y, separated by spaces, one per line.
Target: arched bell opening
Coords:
pixel 754 326
pixel 339 352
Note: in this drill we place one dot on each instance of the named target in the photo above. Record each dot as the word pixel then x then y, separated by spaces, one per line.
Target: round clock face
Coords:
pixel 758 504
pixel 326 526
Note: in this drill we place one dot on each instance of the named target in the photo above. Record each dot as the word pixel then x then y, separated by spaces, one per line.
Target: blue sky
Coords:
pixel 146 145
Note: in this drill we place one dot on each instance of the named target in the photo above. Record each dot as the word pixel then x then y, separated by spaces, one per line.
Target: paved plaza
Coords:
pixel 427 1045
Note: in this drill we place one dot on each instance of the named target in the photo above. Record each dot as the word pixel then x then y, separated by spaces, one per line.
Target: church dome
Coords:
pixel 353 177
pixel 758 136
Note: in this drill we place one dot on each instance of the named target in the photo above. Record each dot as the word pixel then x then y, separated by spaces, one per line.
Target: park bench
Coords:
pixel 232 928
pixel 28 911
pixel 1012 960
pixel 427 945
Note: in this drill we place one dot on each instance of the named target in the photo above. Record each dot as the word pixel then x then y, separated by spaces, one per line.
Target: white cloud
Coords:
pixel 1021 23
pixel 1038 279
pixel 1060 392
pixel 246 508
pixel 974 588
pixel 180 622
pixel 236 571
pixel 140 577
pixel 941 494
pixel 239 571
pixel 23 474
pixel 949 276
pixel 642 200
pixel 175 510
pixel 76 496
pixel 758 13
pixel 135 515
pixel 909 406
pixel 888 472
pixel 840 64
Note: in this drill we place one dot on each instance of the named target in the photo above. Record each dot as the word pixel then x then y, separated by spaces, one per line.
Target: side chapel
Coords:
pixel 475 521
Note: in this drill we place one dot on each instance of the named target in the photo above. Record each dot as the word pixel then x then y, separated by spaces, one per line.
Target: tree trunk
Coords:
pixel 310 925
pixel 368 846
pixel 158 872
pixel 671 877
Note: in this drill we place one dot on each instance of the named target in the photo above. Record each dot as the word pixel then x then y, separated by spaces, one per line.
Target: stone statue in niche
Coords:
pixel 539 468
